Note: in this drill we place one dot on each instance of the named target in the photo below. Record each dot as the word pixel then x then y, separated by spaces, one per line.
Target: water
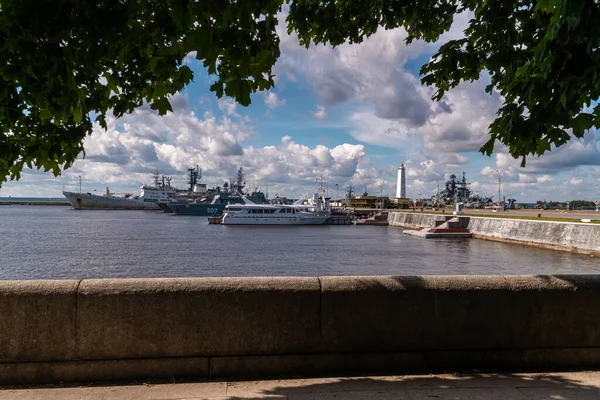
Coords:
pixel 34 199
pixel 61 243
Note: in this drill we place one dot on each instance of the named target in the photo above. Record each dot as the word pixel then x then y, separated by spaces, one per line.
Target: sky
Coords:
pixel 350 114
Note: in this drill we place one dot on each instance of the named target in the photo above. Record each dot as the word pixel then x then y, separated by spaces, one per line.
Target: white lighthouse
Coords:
pixel 401 184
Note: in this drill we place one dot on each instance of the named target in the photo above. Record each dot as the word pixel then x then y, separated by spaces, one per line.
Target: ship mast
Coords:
pixel 239 181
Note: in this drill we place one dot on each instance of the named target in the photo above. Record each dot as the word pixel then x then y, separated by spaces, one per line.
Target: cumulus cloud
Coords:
pixel 395 104
pixel 575 181
pixel 136 145
pixel 273 101
pixel 228 106
pixel 320 113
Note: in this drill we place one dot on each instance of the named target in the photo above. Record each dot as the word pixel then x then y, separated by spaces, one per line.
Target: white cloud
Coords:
pixel 575 181
pixel 394 104
pixel 272 101
pixel 320 113
pixel 227 106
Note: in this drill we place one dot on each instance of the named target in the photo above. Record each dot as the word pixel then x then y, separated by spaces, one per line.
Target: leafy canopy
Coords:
pixel 64 63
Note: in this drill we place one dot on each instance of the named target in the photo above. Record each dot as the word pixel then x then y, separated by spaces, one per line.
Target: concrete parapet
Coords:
pixel 144 318
pixel 37 320
pixel 152 328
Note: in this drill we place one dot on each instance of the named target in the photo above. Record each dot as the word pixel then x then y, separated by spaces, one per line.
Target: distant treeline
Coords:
pixel 573 203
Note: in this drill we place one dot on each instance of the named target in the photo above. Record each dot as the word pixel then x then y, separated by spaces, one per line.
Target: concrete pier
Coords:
pixel 124 329
pixel 567 236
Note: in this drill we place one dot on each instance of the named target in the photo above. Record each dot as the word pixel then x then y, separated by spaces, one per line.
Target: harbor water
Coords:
pixel 60 243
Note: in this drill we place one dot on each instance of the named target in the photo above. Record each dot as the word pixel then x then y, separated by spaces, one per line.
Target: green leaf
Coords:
pixel 161 105
pixel 581 123
pixel 77 115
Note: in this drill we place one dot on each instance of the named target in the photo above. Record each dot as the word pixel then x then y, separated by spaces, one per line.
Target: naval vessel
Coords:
pixel 148 198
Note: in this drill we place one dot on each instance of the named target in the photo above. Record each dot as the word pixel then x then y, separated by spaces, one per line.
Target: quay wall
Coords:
pixel 125 329
pixel 568 236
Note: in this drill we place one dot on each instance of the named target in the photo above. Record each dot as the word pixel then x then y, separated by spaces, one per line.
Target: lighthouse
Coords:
pixel 401 184
pixel 401 201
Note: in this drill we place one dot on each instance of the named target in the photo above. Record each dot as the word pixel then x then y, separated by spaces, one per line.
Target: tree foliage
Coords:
pixel 66 63
pixel 542 57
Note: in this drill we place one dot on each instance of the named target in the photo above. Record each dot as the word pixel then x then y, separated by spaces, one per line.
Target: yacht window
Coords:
pixel 260 211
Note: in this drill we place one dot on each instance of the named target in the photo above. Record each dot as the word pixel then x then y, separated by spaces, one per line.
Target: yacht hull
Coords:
pixel 253 220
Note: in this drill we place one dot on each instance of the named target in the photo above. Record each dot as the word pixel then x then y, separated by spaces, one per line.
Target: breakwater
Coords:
pixel 566 236
pixel 116 329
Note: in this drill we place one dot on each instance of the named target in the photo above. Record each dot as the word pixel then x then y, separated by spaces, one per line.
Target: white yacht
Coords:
pixel 314 212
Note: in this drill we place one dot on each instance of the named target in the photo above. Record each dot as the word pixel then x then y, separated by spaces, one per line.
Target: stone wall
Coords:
pixel 113 329
pixel 576 237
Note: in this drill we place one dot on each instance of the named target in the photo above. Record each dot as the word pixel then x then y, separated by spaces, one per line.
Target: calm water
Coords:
pixel 60 243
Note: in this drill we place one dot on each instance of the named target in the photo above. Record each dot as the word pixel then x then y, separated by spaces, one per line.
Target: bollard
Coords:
pixel 539 215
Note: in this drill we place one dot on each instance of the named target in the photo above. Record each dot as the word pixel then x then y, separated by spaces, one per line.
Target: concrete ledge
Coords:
pixel 296 365
pixel 402 362
pixel 154 328
pixel 103 370
pixel 146 318
pixel 37 320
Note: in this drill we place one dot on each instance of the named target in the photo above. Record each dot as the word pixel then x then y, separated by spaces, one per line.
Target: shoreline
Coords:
pixel 34 203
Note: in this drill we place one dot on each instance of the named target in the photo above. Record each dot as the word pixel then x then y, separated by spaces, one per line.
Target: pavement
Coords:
pixel 581 385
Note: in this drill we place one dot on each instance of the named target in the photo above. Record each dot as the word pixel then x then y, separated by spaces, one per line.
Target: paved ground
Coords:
pixel 536 386
pixel 534 213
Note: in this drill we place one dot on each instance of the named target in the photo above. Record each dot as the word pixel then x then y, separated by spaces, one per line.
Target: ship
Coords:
pixel 231 193
pixel 148 198
pixel 196 193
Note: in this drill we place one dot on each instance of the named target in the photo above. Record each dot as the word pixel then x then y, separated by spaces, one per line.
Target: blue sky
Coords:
pixel 351 114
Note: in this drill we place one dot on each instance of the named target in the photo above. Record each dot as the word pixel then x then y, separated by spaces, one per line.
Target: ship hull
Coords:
pixel 86 201
pixel 197 209
pixel 164 206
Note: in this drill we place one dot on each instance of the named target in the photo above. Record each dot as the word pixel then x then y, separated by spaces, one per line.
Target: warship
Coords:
pixel 216 200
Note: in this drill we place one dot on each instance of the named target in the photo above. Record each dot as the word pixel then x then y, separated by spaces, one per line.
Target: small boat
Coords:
pixel 377 219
